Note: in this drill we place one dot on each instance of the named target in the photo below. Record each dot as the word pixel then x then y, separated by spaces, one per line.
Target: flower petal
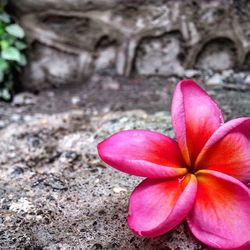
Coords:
pixel 221 215
pixel 143 153
pixel 157 206
pixel 246 246
pixel 195 117
pixel 228 150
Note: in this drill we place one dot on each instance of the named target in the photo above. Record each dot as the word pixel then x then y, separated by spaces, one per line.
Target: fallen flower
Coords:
pixel 202 176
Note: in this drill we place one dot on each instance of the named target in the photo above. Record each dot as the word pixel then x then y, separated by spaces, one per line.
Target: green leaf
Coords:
pixel 1 76
pixel 4 44
pixel 15 30
pixel 4 18
pixel 11 39
pixel 20 45
pixel 4 66
pixel 23 60
pixel 5 94
pixel 1 30
pixel 12 54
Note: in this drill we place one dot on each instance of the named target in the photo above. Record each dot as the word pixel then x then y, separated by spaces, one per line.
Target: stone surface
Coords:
pixel 56 193
pixel 71 40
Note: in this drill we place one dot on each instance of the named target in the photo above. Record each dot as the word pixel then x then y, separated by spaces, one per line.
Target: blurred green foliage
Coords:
pixel 12 57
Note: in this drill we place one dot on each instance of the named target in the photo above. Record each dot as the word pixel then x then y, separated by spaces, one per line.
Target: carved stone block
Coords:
pixel 73 39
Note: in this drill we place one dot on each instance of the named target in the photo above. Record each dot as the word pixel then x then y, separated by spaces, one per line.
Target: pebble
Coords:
pixel 227 73
pixel 2 124
pixel 21 205
pixel 106 109
pixel 215 80
pixel 119 189
pixel 51 94
pixel 247 80
pixel 69 156
pixel 190 73
pixel 16 118
pixel 27 118
pixel 75 100
pixel 111 85
pixel 24 98
pixel 34 141
pixel 17 171
pixel 239 78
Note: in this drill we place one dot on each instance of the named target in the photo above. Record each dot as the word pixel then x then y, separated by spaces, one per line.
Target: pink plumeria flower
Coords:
pixel 202 176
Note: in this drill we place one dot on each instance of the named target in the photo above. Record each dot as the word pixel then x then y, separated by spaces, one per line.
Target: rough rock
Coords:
pixel 57 194
pixel 24 98
pixel 71 40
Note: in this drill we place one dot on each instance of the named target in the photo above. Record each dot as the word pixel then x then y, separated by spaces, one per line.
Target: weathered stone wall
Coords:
pixel 72 39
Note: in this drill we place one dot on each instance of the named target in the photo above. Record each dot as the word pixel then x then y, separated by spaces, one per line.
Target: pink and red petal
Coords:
pixel 143 153
pixel 157 206
pixel 245 246
pixel 220 217
pixel 228 150
pixel 195 117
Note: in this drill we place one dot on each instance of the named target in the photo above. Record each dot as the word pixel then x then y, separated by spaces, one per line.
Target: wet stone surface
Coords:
pixel 55 191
